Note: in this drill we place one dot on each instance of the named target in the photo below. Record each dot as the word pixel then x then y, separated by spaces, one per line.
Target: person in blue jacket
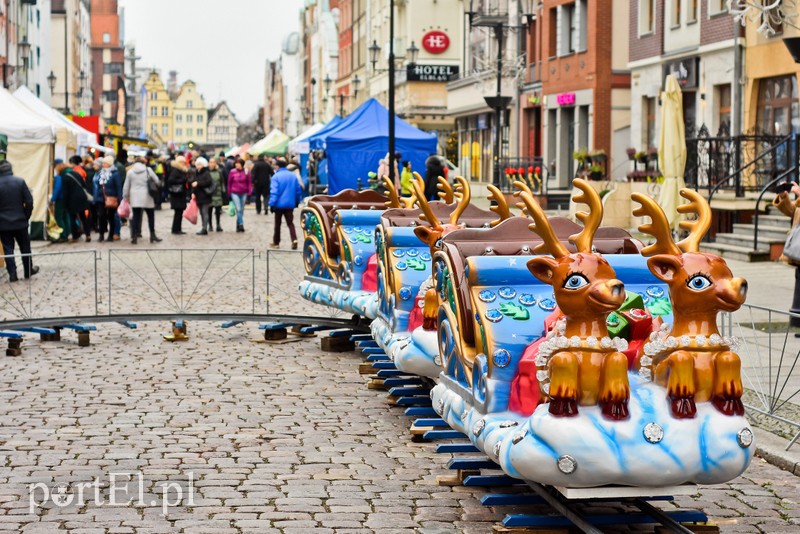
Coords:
pixel 107 183
pixel 285 194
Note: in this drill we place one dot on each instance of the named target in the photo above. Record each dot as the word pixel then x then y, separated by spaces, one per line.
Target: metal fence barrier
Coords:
pixel 128 284
pixel 770 354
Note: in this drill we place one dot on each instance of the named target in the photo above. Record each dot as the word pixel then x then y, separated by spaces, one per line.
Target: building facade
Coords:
pixel 70 53
pixel 108 63
pixel 222 126
pixel 701 45
pixel 159 108
pixel 190 116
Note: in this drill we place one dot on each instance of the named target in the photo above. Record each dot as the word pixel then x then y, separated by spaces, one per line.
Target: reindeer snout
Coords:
pixel 743 289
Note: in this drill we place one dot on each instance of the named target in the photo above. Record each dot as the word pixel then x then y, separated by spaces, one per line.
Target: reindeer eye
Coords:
pixel 576 281
pixel 698 282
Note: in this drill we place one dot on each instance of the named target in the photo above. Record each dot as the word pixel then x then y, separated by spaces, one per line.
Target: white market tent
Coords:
pixel 85 138
pixel 31 144
pixel 300 145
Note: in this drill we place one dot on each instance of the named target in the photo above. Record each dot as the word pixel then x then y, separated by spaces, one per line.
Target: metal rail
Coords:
pixel 783 176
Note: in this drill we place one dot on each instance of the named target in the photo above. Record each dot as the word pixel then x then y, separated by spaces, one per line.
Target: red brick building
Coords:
pixel 108 62
pixel 581 51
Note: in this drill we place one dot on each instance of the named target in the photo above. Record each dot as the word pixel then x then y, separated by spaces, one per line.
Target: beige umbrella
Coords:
pixel 671 149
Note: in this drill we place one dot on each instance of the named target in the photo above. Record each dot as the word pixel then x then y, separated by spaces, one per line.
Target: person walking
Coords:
pixel 285 193
pixel 57 200
pixel 406 177
pixel 75 199
pixel 176 184
pixel 16 206
pixel 107 183
pixel 433 170
pixel 203 188
pixel 239 187
pixel 218 196
pixel 262 172
pixel 138 190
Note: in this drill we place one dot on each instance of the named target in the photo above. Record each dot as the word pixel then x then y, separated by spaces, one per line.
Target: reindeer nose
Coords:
pixel 617 289
pixel 743 288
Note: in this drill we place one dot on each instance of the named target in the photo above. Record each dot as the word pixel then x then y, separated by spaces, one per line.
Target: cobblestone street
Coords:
pixel 273 438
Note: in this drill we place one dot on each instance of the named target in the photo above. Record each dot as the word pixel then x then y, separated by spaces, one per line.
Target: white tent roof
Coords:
pixel 21 124
pixel 85 137
pixel 299 144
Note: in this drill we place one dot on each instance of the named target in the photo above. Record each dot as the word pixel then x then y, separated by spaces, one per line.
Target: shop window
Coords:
pixel 778 112
pixel 723 97
pixel 649 119
pixel 647 16
pixel 675 13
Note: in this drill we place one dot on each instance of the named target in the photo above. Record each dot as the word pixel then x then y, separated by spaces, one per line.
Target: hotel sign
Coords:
pixel 431 73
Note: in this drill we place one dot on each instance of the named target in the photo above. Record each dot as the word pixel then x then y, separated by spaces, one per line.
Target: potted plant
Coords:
pixel 596 171
pixel 641 157
pixel 652 153
pixel 631 152
pixel 580 156
pixel 597 156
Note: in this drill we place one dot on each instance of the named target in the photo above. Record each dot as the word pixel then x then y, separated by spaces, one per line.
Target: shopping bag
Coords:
pixel 124 209
pixel 232 209
pixel 190 213
pixel 53 229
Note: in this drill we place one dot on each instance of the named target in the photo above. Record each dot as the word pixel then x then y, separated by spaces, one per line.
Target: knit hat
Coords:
pixel 109 160
pixel 201 162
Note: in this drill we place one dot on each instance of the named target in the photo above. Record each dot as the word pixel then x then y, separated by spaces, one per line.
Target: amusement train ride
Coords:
pixel 572 356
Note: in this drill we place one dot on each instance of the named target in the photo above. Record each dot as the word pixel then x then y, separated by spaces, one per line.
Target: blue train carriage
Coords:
pixel 339 250
pixel 503 396
pixel 404 239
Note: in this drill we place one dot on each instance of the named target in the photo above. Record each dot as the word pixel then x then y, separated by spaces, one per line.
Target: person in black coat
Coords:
pixel 74 196
pixel 16 206
pixel 176 185
pixel 433 170
pixel 203 189
pixel 262 173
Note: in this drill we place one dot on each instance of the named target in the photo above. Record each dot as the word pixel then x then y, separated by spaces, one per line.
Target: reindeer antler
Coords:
pixel 658 227
pixel 463 195
pixel 591 219
pixel 391 191
pixel 542 226
pixel 501 208
pixel 445 190
pixel 419 191
pixel 409 201
pixel 697 228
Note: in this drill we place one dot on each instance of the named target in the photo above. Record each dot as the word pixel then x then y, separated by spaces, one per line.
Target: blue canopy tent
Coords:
pixel 357 144
pixel 317 142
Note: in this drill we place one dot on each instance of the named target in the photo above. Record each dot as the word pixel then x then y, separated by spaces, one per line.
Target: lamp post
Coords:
pixel 356 82
pixel 24 51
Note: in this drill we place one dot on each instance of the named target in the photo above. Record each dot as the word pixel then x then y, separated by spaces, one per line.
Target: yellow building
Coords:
pixel 191 116
pixel 771 80
pixel 159 109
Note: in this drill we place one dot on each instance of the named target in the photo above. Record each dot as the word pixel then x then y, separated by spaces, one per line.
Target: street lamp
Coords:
pixel 51 82
pixel 413 53
pixel 24 49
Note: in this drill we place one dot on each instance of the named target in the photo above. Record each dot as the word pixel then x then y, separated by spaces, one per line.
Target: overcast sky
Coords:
pixel 220 44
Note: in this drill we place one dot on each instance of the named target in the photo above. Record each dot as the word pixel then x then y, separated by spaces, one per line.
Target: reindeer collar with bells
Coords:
pixel 661 344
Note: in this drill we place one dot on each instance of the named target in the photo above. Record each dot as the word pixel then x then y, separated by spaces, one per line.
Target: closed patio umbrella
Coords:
pixel 671 149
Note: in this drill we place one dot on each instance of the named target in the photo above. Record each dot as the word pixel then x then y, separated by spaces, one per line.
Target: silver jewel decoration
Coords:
pixel 497 447
pixel 653 432
pixel 441 405
pixel 567 464
pixel 508 424
pixel 745 437
pixel 488 250
pixel 464 415
pixel 478 427
pixel 518 436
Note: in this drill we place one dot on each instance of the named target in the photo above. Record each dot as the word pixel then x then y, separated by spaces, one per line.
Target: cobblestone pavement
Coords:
pixel 275 438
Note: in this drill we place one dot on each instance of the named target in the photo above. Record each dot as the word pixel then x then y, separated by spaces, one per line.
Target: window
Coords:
pixel 778 112
pixel 777 25
pixel 715 7
pixel 178 132
pixel 199 131
pixel 189 132
pixel 165 130
pixel 153 129
pixel 164 111
pixel 179 118
pixel 106 38
pixel 190 104
pixel 153 96
pixel 112 68
pixel 649 126
pixel 694 8
pixel 189 118
pixel 110 96
pixel 569 38
pixel 553 32
pixel 582 15
pixel 675 13
pixel 723 97
pixel 153 111
pixel 200 118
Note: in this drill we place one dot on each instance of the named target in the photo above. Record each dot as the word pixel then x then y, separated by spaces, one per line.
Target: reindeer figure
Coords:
pixel 693 361
pixel 584 366
pixel 395 200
